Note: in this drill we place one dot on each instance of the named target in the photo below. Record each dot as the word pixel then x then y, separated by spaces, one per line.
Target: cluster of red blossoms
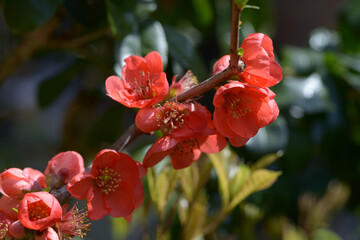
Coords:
pixel 30 210
pixel 28 206
pixel 242 106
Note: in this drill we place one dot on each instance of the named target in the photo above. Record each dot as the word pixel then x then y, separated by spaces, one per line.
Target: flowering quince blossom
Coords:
pixel 47 234
pixel 112 186
pixel 143 82
pixel 5 224
pixel 73 223
pixel 187 131
pixel 39 210
pixel 7 205
pixel 261 69
pixel 17 230
pixel 186 82
pixel 241 109
pixel 63 167
pixel 15 182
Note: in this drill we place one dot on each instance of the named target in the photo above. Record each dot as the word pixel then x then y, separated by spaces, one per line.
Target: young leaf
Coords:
pixel 223 179
pixel 258 180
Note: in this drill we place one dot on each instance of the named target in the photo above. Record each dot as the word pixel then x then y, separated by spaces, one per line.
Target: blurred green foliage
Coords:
pixel 53 99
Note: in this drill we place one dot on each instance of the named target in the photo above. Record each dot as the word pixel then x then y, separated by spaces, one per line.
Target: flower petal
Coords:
pixel 145 120
pixel 96 204
pixel 238 141
pixel 80 185
pixel 121 202
pixel 159 150
pixel 153 59
pixel 184 154
pixel 212 143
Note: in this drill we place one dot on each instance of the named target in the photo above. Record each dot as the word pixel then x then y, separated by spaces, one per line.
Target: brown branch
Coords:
pixel 234 40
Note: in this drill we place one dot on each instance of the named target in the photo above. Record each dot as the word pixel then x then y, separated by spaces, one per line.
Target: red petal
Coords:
pixel 212 144
pixel 145 120
pixel 261 68
pixel 80 185
pixel 70 161
pixel 221 125
pixel 158 151
pixel 182 159
pixel 267 113
pixel 115 87
pixel 246 126
pixel 238 141
pixel 139 194
pixel 96 204
pixel 121 202
pixel 221 64
pixel 154 61
pixel 127 168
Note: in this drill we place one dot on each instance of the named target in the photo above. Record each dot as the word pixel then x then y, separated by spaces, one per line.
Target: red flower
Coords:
pixel 187 129
pixel 241 109
pixel 47 234
pixel 143 82
pixel 17 230
pixel 7 205
pixel 39 210
pixel 261 68
pixel 186 82
pixel 73 223
pixel 4 226
pixel 15 182
pixel 110 186
pixel 63 167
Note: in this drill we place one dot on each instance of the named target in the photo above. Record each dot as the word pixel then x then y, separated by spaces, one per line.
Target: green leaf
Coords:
pixel 120 17
pixel 267 160
pixel 184 52
pixel 153 38
pixel 15 209
pixel 222 177
pixel 325 234
pixel 241 176
pixel 130 45
pixel 309 93
pixel 204 12
pixel 302 60
pixel 187 182
pixel 258 180
pixel 25 15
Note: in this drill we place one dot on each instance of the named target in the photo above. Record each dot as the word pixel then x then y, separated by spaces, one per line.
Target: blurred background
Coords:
pixel 56 55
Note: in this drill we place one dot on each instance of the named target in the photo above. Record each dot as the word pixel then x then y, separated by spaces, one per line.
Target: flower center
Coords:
pixel 74 223
pixel 142 86
pixel 238 106
pixel 38 210
pixel 170 117
pixel 108 180
pixel 4 228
